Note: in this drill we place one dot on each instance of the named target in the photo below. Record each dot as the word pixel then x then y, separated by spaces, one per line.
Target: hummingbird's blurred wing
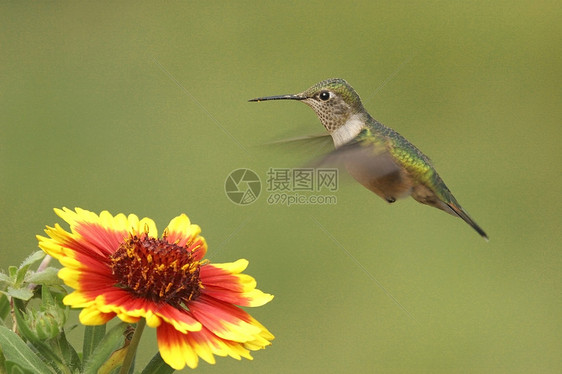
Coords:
pixel 306 139
pixel 361 156
pixel 302 146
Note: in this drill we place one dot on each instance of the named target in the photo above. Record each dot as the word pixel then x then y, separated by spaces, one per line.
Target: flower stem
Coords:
pixel 127 362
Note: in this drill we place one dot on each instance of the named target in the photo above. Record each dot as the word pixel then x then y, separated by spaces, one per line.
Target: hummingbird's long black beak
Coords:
pixel 279 97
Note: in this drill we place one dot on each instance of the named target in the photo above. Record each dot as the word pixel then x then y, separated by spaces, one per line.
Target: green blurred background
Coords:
pixel 143 109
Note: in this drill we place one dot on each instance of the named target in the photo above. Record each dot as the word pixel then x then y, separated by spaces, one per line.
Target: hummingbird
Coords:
pixel 375 155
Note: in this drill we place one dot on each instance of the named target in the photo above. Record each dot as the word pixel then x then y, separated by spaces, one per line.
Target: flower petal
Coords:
pixel 93 316
pixel 179 350
pixel 226 320
pixel 182 232
pixel 123 304
pixel 174 349
pixel 223 282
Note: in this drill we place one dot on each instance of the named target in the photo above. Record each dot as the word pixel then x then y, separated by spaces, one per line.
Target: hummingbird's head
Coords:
pixel 333 100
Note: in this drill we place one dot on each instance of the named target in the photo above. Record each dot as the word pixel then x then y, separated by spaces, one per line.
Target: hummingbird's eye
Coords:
pixel 324 95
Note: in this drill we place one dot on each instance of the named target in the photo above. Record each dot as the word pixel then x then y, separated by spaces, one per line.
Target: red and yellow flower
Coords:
pixel 118 266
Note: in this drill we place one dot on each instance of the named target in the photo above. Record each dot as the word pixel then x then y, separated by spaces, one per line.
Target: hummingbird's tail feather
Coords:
pixel 464 215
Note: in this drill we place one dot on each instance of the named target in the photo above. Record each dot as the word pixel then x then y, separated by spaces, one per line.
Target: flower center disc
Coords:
pixel 156 270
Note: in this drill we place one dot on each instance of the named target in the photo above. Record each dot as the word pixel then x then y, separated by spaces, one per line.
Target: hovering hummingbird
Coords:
pixel 378 157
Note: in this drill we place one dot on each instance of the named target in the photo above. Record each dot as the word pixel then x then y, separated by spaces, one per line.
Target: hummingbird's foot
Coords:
pixel 390 199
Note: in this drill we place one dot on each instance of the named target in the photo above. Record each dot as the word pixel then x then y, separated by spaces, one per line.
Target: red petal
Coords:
pixel 103 241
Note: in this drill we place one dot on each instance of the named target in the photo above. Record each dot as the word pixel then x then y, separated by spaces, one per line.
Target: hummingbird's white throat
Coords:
pixel 348 131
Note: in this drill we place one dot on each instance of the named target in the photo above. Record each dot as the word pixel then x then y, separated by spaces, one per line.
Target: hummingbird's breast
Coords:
pixel 348 131
pixel 368 158
pixel 391 186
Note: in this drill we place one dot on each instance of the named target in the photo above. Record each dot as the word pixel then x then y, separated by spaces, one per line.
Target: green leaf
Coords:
pixel 32 258
pixel 5 279
pixel 69 355
pixel 13 368
pixel 112 341
pixel 4 306
pixel 22 325
pixel 15 350
pixel 115 361
pixel 157 366
pixel 25 265
pixel 92 337
pixel 12 272
pixel 3 362
pixel 19 293
pixel 46 277
pixel 47 299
